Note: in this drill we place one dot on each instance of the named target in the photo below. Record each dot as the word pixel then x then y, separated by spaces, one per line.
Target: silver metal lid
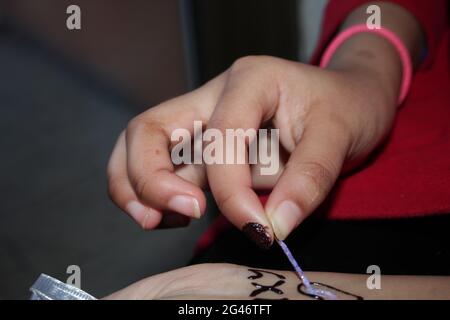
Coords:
pixel 48 288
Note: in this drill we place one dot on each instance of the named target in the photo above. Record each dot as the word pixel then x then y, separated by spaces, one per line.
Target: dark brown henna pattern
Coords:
pixel 273 288
pixel 259 274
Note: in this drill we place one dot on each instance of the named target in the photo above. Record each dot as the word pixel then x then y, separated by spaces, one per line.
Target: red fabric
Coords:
pixel 219 225
pixel 410 175
pixel 432 16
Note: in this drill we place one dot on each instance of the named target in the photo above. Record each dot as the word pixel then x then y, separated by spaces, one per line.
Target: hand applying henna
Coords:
pixel 329 121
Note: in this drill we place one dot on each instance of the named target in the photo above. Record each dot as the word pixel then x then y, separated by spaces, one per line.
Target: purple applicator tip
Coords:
pixel 309 288
pixel 294 263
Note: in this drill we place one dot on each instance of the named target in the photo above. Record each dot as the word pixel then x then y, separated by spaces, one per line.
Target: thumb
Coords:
pixel 310 174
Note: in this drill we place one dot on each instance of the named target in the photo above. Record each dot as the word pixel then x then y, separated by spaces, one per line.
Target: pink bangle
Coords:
pixel 389 35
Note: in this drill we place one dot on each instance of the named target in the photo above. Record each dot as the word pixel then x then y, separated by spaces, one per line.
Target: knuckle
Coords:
pixel 134 124
pixel 317 177
pixel 148 124
pixel 251 62
pixel 244 62
pixel 221 122
pixel 319 173
pixel 224 198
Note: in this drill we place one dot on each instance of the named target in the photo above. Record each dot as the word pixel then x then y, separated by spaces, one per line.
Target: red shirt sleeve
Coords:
pixel 431 14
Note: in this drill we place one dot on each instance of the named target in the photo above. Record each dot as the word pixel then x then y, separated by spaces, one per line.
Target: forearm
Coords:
pixel 392 287
pixel 372 55
pixel 398 20
pixel 226 281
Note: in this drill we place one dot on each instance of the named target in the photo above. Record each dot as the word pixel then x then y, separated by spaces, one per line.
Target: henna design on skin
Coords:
pixel 273 288
pixel 260 273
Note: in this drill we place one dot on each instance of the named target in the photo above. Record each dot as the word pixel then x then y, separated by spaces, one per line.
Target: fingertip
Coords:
pixel 259 234
pixel 285 218
pixel 186 205
pixel 147 218
pixel 164 190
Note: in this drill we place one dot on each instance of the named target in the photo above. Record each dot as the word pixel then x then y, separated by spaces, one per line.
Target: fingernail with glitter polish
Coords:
pixel 185 205
pixel 285 218
pixel 258 234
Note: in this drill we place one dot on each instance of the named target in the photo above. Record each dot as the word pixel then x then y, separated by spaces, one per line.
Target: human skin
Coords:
pixel 226 281
pixel 330 121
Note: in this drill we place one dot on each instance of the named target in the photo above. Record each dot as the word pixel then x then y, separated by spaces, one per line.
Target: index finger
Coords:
pixel 249 98
pixel 150 167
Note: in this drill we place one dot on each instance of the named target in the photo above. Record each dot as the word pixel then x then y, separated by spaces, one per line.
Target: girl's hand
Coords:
pixel 327 120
